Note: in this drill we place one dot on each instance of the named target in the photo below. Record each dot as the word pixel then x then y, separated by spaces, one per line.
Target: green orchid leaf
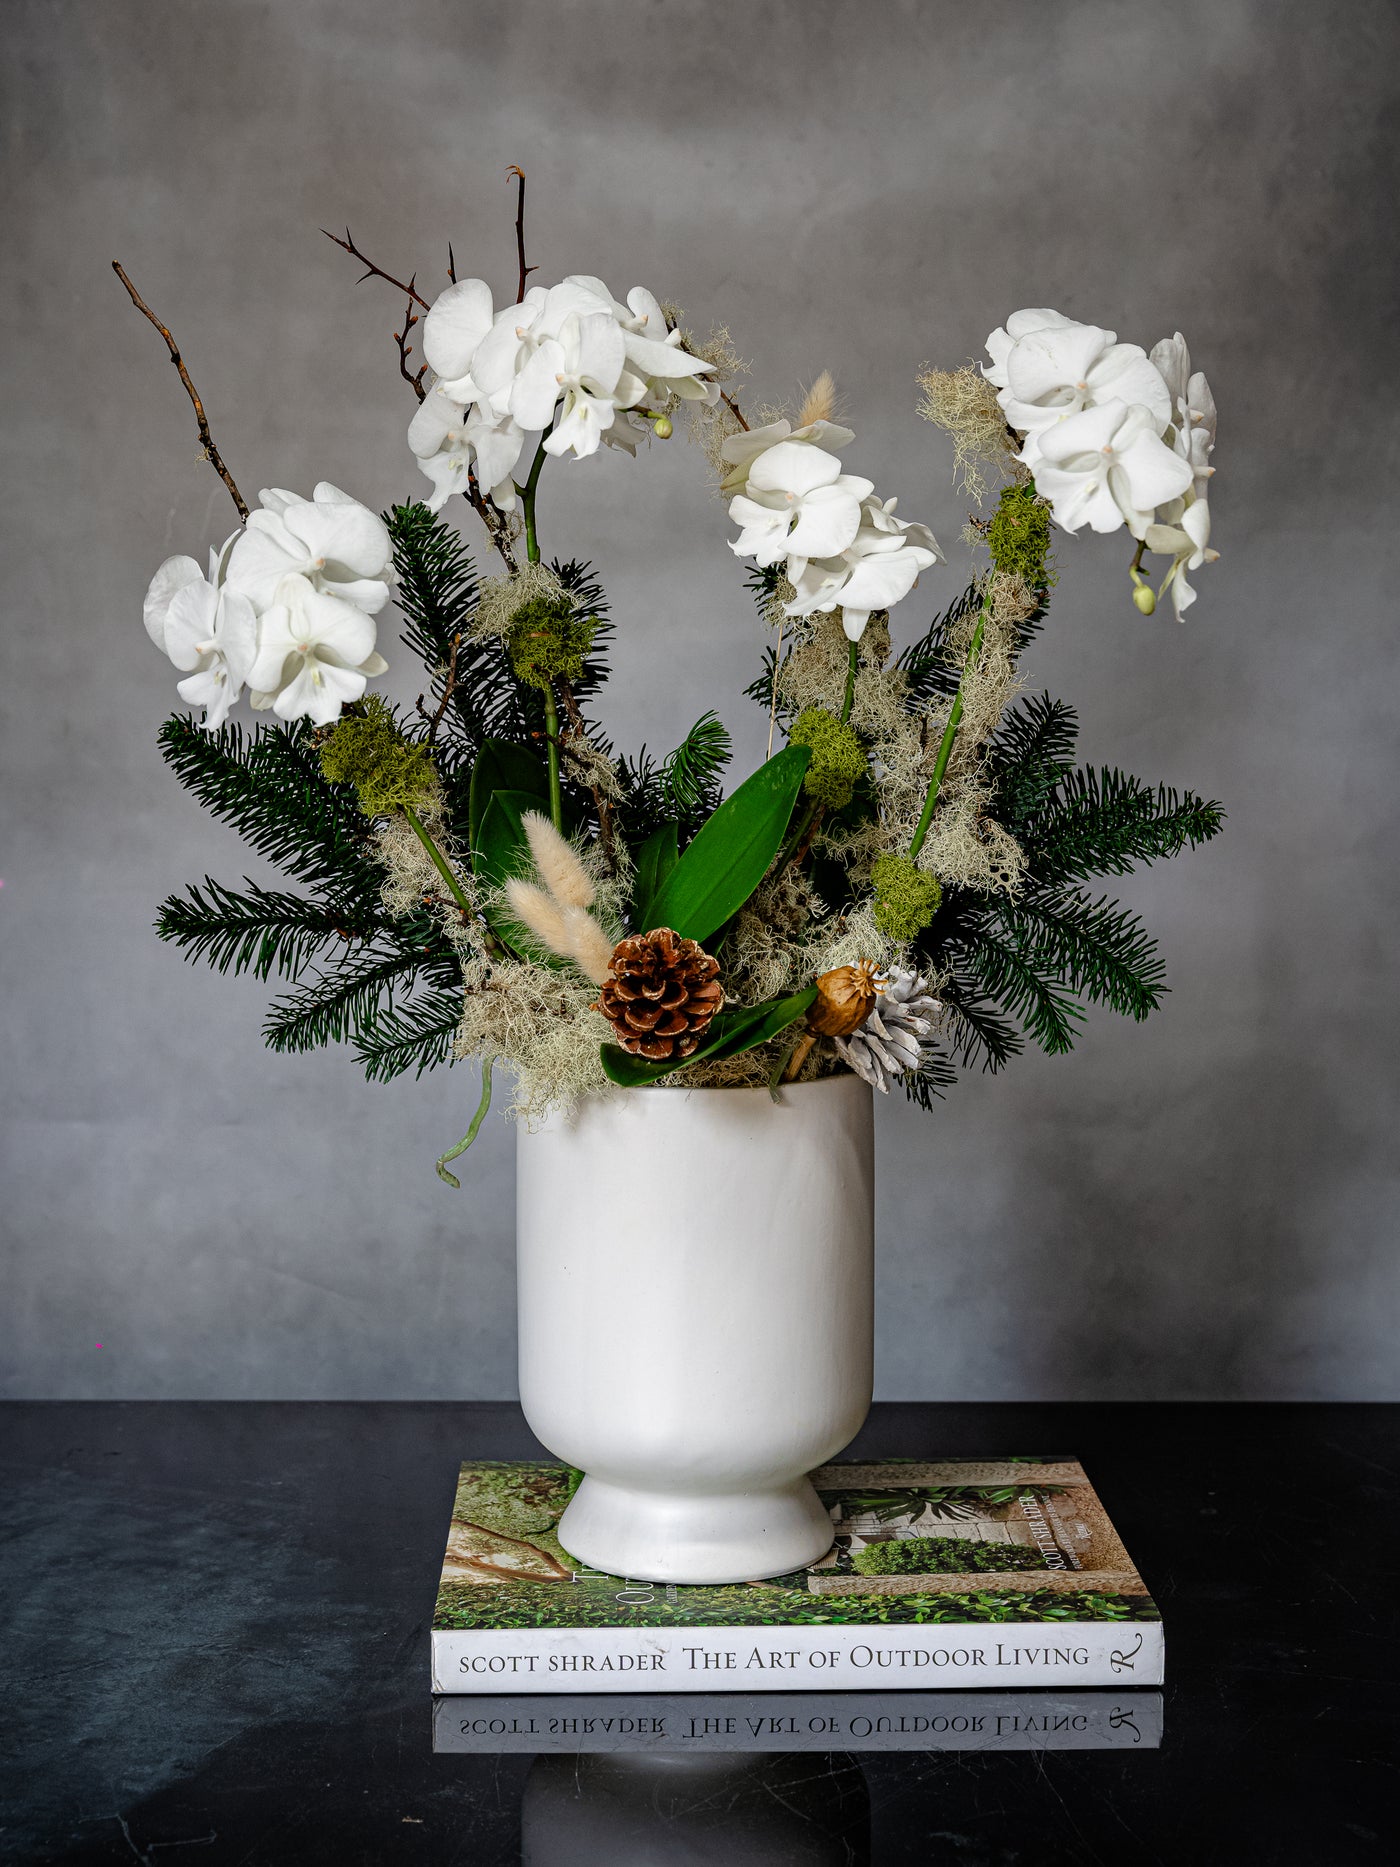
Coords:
pixel 500 847
pixel 732 850
pixel 501 766
pixel 656 858
pixel 729 1035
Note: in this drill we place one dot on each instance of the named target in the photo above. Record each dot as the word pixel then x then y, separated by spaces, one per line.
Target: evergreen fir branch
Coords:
pixel 339 1001
pixel 974 1028
pixel 415 1036
pixel 261 929
pixel 1104 822
pixel 934 1074
pixel 436 592
pixel 1030 757
pixel 1096 948
pixel 270 789
pixel 761 689
pixel 1013 973
pixel 691 774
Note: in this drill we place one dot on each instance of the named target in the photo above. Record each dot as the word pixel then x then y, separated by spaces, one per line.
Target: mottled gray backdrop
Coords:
pixel 1204 1206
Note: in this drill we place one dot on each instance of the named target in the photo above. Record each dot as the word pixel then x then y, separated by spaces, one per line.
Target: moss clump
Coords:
pixel 906 899
pixel 1018 536
pixel 548 642
pixel 943 1555
pixel 838 757
pixel 368 751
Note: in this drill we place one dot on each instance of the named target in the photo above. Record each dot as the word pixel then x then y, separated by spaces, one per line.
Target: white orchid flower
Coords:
pixel 741 450
pixel 1056 372
pixel 207 632
pixel 798 505
pixel 337 544
pixel 586 365
pixel 315 651
pixel 449 440
pixel 1187 543
pixel 654 351
pixel 1020 324
pixel 1107 465
pixel 517 332
pixel 1193 405
pixel 452 332
pixel 877 570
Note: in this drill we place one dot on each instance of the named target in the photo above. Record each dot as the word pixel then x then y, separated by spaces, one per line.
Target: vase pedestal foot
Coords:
pixel 669 1536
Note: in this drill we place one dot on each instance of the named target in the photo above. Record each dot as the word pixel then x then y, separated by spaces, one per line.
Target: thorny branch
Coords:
pixel 371 271
pixel 206 439
pixel 525 270
pixel 449 688
pixel 734 410
pixel 415 381
pixel 497 524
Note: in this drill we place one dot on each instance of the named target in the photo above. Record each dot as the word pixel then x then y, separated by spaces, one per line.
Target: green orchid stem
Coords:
pixel 439 861
pixel 852 665
pixel 551 734
pixel 473 1131
pixel 527 494
pixel 950 732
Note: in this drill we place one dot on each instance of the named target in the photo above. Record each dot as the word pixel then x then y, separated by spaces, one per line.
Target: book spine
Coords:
pixel 810 1721
pixel 793 1659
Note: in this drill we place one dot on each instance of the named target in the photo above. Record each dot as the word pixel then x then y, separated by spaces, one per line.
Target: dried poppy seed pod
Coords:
pixel 845 998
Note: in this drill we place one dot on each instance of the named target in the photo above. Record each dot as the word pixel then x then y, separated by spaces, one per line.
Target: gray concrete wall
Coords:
pixel 1204 1206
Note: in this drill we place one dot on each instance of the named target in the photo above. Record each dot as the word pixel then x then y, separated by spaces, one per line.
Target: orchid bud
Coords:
pixel 662 428
pixel 1144 599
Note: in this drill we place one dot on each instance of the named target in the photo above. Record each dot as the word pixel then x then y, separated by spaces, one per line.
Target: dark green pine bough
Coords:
pixel 391 987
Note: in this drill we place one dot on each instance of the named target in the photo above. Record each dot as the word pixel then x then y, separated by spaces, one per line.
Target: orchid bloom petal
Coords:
pixel 454 328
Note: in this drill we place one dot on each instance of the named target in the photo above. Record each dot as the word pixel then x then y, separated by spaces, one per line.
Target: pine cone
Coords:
pixel 660 994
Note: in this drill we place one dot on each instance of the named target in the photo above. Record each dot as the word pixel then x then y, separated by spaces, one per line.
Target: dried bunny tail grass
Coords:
pixel 587 945
pixel 819 403
pixel 537 910
pixel 560 867
pixel 498 598
pixel 964 404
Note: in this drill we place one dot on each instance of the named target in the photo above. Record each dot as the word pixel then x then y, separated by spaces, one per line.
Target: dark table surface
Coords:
pixel 216 1650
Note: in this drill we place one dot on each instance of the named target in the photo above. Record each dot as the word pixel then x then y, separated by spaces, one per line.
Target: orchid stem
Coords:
pixel 527 494
pixel 950 731
pixel 852 663
pixel 473 1131
pixel 444 869
pixel 551 741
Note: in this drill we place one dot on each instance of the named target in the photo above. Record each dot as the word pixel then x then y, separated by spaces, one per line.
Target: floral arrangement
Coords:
pixel 900 887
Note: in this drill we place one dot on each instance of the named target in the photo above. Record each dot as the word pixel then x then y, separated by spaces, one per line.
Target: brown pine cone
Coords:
pixel 660 994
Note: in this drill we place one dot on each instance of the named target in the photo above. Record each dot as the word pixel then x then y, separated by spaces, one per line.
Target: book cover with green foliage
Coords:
pixel 941 1573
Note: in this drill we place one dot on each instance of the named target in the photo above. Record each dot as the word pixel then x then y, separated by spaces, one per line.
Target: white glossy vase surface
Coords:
pixel 696 1319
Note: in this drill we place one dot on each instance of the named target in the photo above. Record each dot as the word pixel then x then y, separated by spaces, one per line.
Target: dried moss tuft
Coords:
pixel 838 757
pixel 964 404
pixel 547 641
pixel 1018 536
pixel 906 899
pixel 367 750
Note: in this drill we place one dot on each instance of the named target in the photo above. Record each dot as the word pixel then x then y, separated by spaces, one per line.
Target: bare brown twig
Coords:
pixel 495 521
pixel 206 439
pixel 449 687
pixel 415 381
pixel 371 271
pixel 525 270
pixel 734 410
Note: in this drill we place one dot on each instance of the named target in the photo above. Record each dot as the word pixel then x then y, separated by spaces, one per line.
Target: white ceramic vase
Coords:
pixel 696 1294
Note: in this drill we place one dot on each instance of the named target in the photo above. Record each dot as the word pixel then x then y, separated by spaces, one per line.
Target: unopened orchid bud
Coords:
pixel 1144 599
pixel 662 428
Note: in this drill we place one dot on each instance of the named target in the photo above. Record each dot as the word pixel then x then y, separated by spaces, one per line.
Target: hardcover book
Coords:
pixel 954 1573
